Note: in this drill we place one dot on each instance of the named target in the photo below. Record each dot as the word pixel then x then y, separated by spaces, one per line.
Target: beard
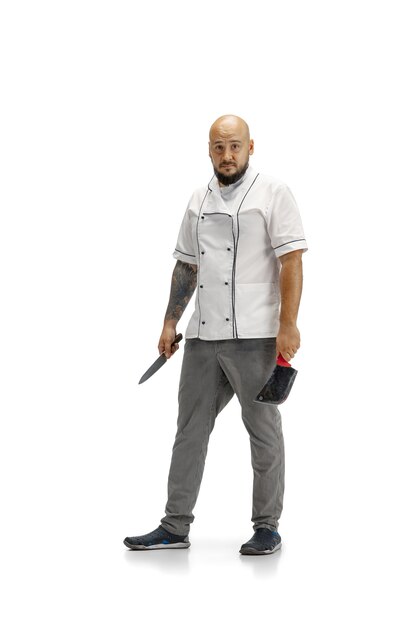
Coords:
pixel 226 179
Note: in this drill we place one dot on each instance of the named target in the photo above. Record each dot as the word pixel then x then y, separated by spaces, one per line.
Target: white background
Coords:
pixel 105 111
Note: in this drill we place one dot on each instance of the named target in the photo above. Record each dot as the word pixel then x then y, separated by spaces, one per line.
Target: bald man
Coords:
pixel 240 248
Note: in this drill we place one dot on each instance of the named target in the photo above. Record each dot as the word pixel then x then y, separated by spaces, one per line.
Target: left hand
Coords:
pixel 288 341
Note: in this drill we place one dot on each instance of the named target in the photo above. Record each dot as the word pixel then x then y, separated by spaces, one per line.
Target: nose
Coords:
pixel 228 155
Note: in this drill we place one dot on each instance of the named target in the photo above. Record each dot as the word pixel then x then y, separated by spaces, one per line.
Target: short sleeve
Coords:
pixel 184 249
pixel 284 223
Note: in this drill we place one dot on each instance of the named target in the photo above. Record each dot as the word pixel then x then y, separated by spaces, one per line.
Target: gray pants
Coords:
pixel 212 372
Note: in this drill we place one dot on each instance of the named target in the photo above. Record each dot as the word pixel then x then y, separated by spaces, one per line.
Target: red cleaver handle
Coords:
pixel 282 361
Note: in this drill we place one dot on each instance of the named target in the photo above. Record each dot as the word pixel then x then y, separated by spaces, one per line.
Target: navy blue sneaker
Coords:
pixel 264 541
pixel 158 539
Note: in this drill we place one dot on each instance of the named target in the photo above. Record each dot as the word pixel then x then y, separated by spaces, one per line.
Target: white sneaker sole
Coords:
pixel 159 546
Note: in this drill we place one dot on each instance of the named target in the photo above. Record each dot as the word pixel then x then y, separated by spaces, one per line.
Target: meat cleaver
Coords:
pixel 160 361
pixel 279 384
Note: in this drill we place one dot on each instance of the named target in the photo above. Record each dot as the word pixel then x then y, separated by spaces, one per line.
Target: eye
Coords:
pixel 218 148
pixel 235 147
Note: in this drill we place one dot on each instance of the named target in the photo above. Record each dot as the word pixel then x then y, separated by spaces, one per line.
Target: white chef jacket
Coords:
pixel 234 235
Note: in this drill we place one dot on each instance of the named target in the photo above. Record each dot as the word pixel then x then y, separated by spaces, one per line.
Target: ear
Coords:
pixel 251 146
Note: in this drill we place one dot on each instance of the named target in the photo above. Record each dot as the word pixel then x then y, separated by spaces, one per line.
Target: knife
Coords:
pixel 160 361
pixel 278 386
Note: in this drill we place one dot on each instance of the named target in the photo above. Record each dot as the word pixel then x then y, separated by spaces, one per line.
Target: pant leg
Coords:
pixel 248 364
pixel 203 392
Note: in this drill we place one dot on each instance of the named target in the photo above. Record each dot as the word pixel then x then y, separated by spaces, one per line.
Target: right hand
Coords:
pixel 166 339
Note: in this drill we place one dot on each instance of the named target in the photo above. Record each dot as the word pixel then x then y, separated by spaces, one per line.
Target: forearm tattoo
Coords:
pixel 184 281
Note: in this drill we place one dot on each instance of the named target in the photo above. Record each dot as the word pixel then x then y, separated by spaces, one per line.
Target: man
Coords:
pixel 240 245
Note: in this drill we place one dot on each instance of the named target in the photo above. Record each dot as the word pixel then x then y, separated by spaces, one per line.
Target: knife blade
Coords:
pixel 278 386
pixel 160 361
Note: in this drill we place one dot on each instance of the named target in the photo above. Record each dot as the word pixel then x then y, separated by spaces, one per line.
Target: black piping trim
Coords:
pixel 181 252
pixel 199 259
pixel 234 260
pixel 217 213
pixel 286 244
pixel 233 283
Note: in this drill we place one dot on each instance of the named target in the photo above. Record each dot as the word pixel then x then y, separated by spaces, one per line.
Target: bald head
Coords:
pixel 229 123
pixel 229 148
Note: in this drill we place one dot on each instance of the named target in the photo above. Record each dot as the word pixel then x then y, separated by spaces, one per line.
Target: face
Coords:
pixel 229 150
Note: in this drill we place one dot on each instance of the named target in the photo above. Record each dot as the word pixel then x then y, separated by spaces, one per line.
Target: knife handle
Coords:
pixel 281 361
pixel 177 339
